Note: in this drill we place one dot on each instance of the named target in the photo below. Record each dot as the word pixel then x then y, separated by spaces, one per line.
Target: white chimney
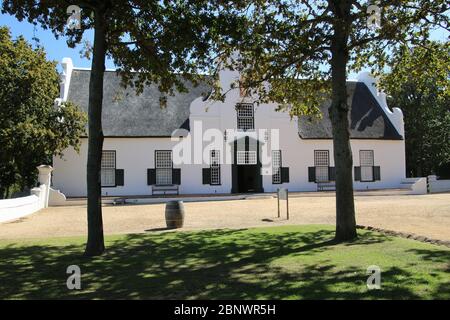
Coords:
pixel 67 66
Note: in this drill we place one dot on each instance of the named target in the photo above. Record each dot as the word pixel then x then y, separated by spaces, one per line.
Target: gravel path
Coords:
pixel 426 215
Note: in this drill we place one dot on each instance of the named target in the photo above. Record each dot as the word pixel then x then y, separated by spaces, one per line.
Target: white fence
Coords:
pixel 435 185
pixel 11 209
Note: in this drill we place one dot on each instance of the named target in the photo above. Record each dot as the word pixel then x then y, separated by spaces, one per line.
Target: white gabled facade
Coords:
pixel 136 155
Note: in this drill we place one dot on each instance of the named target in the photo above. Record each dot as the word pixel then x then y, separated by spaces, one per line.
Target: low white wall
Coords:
pixel 11 209
pixel 435 185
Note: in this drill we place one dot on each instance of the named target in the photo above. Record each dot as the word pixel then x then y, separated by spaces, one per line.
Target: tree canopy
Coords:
pixel 419 84
pixel 166 41
pixel 319 42
pixel 32 129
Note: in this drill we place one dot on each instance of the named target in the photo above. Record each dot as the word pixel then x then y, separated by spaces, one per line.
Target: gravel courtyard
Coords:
pixel 425 215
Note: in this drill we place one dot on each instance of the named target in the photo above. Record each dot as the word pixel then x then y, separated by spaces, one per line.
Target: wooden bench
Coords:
pixel 164 189
pixel 326 186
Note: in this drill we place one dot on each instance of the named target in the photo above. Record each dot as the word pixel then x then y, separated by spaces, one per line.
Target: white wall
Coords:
pixel 11 209
pixel 436 185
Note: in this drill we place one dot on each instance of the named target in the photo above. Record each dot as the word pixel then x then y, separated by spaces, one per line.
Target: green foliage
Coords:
pixel 32 127
pixel 289 262
pixel 419 84
pixel 162 39
pixel 292 40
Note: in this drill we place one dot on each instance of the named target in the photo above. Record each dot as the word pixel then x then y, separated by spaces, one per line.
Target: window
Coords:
pixel 245 117
pixel 366 162
pixel 276 166
pixel 321 164
pixel 246 157
pixel 108 169
pixel 163 166
pixel 215 167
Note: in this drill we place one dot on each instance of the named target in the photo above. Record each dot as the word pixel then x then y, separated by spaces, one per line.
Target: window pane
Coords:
pixel 163 159
pixel 276 166
pixel 245 116
pixel 321 158
pixel 108 166
pixel 322 174
pixel 108 159
pixel 246 157
pixel 163 176
pixel 366 162
pixel 108 177
pixel 366 158
pixel 367 173
pixel 163 165
pixel 215 166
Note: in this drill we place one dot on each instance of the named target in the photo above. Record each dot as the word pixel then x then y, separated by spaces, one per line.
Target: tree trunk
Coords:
pixel 339 111
pixel 95 242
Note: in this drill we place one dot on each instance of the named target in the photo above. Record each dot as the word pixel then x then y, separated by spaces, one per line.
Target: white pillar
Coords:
pixel 44 179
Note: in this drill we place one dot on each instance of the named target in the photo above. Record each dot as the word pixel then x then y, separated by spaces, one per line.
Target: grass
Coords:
pixel 295 262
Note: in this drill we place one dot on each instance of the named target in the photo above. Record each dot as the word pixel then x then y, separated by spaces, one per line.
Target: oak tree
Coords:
pixel 299 52
pixel 166 41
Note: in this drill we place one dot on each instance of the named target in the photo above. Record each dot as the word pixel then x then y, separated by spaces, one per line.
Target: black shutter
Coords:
pixel 206 175
pixel 376 173
pixel 119 177
pixel 151 177
pixel 332 173
pixel 357 173
pixel 312 174
pixel 284 175
pixel 176 176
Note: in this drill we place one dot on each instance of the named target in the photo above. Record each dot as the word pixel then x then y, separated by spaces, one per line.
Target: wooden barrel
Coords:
pixel 174 214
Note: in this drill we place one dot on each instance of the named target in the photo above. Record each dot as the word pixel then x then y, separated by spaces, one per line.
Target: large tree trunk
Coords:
pixel 339 111
pixel 95 242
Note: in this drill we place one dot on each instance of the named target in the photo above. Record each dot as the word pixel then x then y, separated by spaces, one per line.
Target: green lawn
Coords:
pixel 293 262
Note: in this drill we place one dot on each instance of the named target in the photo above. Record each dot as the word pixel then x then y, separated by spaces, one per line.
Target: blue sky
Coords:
pixel 58 49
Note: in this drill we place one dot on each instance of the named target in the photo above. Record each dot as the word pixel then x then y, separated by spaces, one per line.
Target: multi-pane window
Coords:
pixel 245 116
pixel 108 169
pixel 276 166
pixel 366 162
pixel 215 167
pixel 321 164
pixel 246 157
pixel 163 166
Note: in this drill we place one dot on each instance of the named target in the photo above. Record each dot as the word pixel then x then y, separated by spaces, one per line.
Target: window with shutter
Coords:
pixel 276 166
pixel 108 168
pixel 215 167
pixel 163 167
pixel 366 162
pixel 321 163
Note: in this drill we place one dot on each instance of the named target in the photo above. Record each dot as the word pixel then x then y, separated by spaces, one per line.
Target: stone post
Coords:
pixel 431 180
pixel 44 179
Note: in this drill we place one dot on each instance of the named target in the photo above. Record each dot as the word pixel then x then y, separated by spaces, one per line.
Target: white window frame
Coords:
pixel 163 167
pixel 276 167
pixel 366 163
pixel 214 157
pixel 245 116
pixel 321 165
pixel 108 168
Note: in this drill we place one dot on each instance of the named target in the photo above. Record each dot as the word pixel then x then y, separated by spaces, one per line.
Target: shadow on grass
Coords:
pixel 219 264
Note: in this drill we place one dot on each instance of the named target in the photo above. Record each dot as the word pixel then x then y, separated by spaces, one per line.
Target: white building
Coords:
pixel 249 149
